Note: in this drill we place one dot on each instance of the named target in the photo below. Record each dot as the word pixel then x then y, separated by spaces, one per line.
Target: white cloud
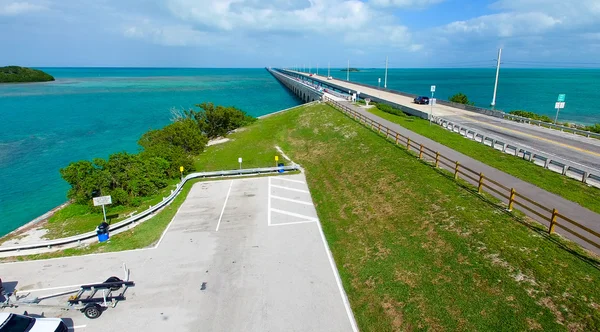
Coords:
pixel 168 35
pixel 13 8
pixel 406 3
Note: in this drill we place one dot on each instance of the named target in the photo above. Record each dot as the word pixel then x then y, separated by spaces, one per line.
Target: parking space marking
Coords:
pixel 290 180
pixel 291 200
pixel 292 189
pixel 295 222
pixel 294 215
pixel 269 203
pixel 76 327
pixel 224 205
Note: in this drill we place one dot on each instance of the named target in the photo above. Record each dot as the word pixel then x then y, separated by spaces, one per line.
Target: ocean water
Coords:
pixel 90 113
pixel 93 112
pixel 534 90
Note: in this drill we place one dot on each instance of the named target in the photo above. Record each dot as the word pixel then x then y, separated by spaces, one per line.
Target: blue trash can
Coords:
pixel 280 165
pixel 102 232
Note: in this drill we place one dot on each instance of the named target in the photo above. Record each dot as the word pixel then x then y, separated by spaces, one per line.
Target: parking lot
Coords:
pixel 255 244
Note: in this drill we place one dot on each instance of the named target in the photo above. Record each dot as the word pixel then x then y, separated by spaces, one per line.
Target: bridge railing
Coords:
pixel 546 215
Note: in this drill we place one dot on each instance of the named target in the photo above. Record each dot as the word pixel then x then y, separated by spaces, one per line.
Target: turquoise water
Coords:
pixel 533 90
pixel 91 113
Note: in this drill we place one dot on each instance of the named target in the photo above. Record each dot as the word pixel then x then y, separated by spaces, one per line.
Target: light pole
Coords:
pixel 348 71
pixel 497 73
pixel 386 67
pixel 431 104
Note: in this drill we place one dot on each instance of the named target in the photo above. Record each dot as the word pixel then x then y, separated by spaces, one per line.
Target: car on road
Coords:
pixel 421 100
pixel 20 323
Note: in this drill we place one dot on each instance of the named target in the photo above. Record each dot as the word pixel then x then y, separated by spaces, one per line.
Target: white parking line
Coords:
pixel 224 204
pixel 295 214
pixel 290 180
pixel 291 200
pixel 269 203
pixel 295 222
pixel 292 189
pixel 77 327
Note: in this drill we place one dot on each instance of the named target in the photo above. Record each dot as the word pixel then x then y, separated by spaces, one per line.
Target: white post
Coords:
pixel 497 73
pixel 386 67
pixel 104 212
pixel 328 68
pixel 317 68
pixel 348 71
pixel 556 117
pixel 309 67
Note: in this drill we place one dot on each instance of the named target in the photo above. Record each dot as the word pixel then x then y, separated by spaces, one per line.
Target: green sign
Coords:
pixel 561 97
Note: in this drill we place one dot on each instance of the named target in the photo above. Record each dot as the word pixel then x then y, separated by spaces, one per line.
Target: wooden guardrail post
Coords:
pixel 456 170
pixel 511 199
pixel 397 137
pixel 408 143
pixel 553 221
pixel 379 129
pixel 480 186
pixel 421 152
pixel 387 133
pixel 437 159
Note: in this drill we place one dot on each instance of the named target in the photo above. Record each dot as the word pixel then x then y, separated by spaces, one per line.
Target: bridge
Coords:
pixel 574 155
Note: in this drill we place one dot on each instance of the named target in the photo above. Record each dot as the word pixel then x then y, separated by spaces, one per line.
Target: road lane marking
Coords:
pixel 290 180
pixel 294 214
pixel 533 136
pixel 224 205
pixel 292 189
pixel 295 222
pixel 291 200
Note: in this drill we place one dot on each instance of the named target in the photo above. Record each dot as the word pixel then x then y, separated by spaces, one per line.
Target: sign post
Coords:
pixel 379 83
pixel 560 103
pixel 431 104
pixel 102 200
pixel 240 161
pixel 276 160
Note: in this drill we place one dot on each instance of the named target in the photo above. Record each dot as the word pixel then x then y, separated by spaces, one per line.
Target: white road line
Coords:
pixel 169 225
pixel 77 327
pixel 269 203
pixel 291 200
pixel 290 180
pixel 294 214
pixel 338 281
pixel 224 204
pixel 292 189
pixel 295 222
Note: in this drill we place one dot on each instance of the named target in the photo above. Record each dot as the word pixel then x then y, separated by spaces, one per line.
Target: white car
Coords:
pixel 19 323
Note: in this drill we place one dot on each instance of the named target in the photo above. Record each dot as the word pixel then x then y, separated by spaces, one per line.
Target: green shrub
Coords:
pixel 461 98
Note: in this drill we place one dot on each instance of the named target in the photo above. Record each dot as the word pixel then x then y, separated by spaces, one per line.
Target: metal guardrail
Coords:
pixel 542 213
pixel 556 164
pixel 551 125
pixel 153 209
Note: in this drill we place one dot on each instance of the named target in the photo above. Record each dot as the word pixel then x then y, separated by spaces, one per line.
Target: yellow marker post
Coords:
pixel 181 171
pixel 276 160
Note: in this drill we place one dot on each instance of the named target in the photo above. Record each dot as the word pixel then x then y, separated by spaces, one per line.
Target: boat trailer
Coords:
pixel 90 299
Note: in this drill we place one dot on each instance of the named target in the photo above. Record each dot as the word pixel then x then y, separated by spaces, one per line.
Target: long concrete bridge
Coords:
pixel 561 150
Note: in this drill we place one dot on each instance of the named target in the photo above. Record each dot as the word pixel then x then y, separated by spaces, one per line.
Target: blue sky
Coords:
pixel 257 33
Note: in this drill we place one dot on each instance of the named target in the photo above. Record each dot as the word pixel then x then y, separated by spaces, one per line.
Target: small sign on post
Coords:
pixel 102 200
pixel 276 160
pixel 181 172
pixel 240 161
pixel 560 103
pixel 433 88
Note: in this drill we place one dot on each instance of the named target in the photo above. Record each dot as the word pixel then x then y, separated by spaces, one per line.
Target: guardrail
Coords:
pixel 153 209
pixel 477 179
pixel 551 125
pixel 545 160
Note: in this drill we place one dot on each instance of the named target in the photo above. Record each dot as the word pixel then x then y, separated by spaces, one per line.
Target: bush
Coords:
pixel 215 121
pixel 531 115
pixel 461 98
pixel 390 109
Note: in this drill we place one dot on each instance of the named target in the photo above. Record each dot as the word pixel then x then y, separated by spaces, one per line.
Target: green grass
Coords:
pixel 553 182
pixel 415 249
pixel 78 219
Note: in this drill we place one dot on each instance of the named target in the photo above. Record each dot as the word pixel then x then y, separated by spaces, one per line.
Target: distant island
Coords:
pixel 350 69
pixel 16 74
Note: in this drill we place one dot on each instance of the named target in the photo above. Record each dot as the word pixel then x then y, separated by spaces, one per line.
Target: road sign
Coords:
pixel 181 169
pixel 102 200
pixel 379 80
pixel 561 97
pixel 240 160
pixel 276 158
pixel 559 104
pixel 433 88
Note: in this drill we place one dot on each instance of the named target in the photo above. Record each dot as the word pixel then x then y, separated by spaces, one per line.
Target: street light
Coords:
pixel 431 104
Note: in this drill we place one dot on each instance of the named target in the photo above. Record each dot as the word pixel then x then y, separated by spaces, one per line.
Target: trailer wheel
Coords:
pixel 114 279
pixel 93 311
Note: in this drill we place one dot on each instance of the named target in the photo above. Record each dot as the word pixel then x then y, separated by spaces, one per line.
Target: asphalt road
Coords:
pixel 256 245
pixel 577 149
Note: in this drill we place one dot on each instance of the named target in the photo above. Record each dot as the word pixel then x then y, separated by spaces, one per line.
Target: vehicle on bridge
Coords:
pixel 421 100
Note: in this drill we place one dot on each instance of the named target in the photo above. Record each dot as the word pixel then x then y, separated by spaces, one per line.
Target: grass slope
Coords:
pixel 415 250
pixel 553 182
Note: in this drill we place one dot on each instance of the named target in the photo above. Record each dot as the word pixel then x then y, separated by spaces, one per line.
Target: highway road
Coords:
pixel 577 149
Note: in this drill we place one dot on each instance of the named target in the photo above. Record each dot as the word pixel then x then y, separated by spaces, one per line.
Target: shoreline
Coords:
pixel 38 221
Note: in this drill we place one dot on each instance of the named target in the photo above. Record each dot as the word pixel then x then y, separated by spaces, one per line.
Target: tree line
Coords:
pixel 128 177
pixel 16 74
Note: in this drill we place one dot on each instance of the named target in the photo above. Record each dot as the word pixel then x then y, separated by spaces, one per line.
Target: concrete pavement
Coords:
pixel 256 245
